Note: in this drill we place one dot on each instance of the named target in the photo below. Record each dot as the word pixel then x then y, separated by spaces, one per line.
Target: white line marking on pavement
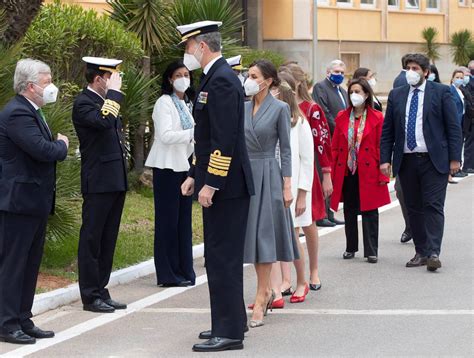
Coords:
pixel 290 311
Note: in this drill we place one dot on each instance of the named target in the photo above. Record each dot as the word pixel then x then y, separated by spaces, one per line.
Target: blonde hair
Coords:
pixel 287 94
pixel 300 76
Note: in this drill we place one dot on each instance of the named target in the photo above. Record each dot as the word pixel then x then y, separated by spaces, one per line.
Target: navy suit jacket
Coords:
pixel 441 129
pixel 459 104
pixel 222 160
pixel 28 156
pixel 103 154
pixel 400 80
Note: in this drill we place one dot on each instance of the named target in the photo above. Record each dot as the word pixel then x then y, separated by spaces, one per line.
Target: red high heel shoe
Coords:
pixel 280 303
pixel 299 299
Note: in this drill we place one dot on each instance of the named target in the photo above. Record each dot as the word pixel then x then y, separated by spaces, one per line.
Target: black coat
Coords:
pixel 441 128
pixel 222 160
pixel 103 154
pixel 28 156
pixel 326 95
pixel 468 117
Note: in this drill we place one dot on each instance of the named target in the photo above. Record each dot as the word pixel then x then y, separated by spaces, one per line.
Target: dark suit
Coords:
pixel 400 80
pixel 325 94
pixel 222 162
pixel 468 124
pixel 459 104
pixel 28 156
pixel 423 176
pixel 103 186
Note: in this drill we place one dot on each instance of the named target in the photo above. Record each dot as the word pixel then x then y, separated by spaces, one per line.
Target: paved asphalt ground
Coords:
pixel 362 309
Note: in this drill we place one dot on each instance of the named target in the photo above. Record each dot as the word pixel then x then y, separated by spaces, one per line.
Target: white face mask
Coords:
pixel 467 78
pixel 50 93
pixel 413 77
pixel 372 82
pixel 181 84
pixel 191 61
pixel 251 87
pixel 431 77
pixel 357 99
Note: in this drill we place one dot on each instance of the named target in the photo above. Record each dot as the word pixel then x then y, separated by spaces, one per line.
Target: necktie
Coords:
pixel 411 133
pixel 341 96
pixel 40 112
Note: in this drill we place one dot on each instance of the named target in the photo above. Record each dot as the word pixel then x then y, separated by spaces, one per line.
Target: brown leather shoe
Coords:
pixel 417 261
pixel 433 263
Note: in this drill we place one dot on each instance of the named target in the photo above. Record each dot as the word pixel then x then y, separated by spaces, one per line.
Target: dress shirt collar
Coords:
pixel 35 106
pixel 90 89
pixel 420 88
pixel 209 65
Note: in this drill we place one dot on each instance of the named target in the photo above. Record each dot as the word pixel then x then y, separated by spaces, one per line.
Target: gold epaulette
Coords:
pixel 110 107
pixel 219 164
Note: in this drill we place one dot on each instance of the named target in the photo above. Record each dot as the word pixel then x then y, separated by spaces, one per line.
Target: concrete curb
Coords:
pixel 63 296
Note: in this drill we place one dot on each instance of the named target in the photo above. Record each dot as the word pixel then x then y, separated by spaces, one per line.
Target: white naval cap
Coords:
pixel 197 28
pixel 235 62
pixel 102 64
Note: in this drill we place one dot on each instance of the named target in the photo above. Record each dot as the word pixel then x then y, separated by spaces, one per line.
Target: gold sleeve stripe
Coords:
pixel 218 155
pixel 110 107
pixel 219 160
pixel 221 173
pixel 217 166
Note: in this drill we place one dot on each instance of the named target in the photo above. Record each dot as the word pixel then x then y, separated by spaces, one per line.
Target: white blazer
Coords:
pixel 302 163
pixel 172 145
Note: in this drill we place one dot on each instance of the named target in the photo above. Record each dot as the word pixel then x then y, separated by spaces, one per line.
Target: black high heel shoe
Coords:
pixel 269 305
pixel 287 292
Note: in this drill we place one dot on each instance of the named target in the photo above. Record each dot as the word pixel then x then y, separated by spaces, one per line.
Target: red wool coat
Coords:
pixel 372 194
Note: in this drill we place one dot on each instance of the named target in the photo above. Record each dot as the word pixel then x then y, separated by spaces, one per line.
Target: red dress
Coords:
pixel 322 147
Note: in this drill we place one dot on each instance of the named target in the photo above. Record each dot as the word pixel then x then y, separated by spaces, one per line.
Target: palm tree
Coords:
pixel 462 46
pixel 429 34
pixel 20 14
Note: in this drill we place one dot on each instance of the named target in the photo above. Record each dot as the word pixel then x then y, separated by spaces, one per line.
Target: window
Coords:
pixel 413 4
pixel 344 2
pixel 462 2
pixel 367 3
pixel 393 4
pixel 323 2
pixel 432 5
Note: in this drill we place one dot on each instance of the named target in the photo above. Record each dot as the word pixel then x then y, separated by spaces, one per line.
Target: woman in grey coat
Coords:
pixel 270 235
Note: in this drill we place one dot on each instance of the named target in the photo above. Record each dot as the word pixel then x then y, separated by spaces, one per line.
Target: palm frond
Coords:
pixel 462 46
pixel 430 34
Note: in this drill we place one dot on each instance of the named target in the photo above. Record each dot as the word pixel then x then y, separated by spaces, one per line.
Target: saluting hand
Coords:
pixel 64 139
pixel 205 196
pixel 385 168
pixel 187 188
pixel 114 82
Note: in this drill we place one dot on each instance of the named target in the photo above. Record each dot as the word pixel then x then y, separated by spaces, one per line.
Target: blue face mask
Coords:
pixel 336 78
pixel 467 78
pixel 431 77
pixel 458 82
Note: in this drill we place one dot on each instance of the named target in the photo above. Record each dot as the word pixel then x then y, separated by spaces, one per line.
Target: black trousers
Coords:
pixel 21 249
pixel 425 192
pixel 401 200
pixel 370 219
pixel 469 151
pixel 173 230
pixel 101 214
pixel 225 223
pixel 327 201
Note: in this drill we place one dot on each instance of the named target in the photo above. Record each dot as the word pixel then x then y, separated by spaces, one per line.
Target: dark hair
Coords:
pixel 167 87
pixel 268 70
pixel 456 71
pixel 434 69
pixel 365 87
pixel 404 59
pixel 360 72
pixel 419 59
pixel 91 73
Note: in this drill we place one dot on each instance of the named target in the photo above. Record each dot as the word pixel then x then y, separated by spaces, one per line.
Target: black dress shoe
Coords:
pixel 433 263
pixel 177 284
pixel 460 174
pixel 315 286
pixel 208 334
pixel 336 222
pixel 37 332
pixel 218 344
pixel 468 171
pixel 99 306
pixel 406 236
pixel 348 255
pixel 372 259
pixel 325 223
pixel 115 304
pixel 17 337
pixel 417 261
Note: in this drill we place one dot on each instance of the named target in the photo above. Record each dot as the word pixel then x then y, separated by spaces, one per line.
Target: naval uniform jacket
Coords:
pixel 221 158
pixel 103 154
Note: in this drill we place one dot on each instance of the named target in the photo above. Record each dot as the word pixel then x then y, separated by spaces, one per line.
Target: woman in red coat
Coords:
pixel 357 180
